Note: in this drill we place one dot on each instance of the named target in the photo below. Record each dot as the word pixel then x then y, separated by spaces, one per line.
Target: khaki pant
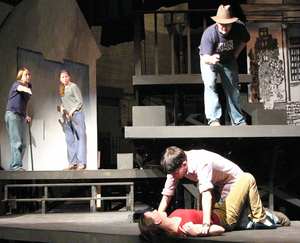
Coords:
pixel 244 190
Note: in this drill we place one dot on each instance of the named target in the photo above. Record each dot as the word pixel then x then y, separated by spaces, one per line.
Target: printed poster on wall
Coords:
pixel 265 63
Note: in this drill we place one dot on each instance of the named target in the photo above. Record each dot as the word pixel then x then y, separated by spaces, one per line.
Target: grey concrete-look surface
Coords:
pixel 115 227
pixel 164 132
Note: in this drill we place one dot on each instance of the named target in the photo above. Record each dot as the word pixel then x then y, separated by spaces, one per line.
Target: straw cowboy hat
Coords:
pixel 224 15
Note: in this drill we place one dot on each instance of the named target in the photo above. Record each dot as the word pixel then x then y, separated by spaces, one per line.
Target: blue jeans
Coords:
pixel 75 138
pixel 16 127
pixel 230 82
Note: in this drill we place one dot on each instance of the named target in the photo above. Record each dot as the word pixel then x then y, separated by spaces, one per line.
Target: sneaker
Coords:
pixel 81 167
pixel 283 220
pixel 214 124
pixel 71 167
pixel 258 225
pixel 19 169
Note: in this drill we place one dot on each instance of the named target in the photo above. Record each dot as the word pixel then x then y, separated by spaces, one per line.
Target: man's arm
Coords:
pixel 239 48
pixel 206 207
pixel 211 59
pixel 164 203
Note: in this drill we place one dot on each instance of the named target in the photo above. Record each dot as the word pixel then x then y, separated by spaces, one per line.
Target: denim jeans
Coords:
pixel 244 190
pixel 16 127
pixel 230 83
pixel 75 138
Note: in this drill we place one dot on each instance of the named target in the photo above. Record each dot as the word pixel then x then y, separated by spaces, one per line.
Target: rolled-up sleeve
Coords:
pixel 170 186
pixel 205 178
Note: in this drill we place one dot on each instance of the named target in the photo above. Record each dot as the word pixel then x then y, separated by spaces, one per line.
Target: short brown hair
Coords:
pixel 172 159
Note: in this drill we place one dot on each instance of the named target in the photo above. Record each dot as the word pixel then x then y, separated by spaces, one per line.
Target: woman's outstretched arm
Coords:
pixel 196 229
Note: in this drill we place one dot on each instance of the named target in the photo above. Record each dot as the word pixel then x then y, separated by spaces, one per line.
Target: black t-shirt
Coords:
pixel 17 101
pixel 213 42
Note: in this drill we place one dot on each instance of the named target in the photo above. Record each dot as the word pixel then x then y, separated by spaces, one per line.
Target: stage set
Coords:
pixel 81 215
pixel 46 204
pixel 74 206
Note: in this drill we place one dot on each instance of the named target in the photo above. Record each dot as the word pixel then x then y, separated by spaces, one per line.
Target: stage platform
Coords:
pixel 115 227
pixel 68 224
pixel 46 189
pixel 102 174
pixel 166 132
pixel 269 152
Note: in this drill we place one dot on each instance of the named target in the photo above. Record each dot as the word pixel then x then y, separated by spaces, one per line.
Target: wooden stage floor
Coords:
pixel 114 227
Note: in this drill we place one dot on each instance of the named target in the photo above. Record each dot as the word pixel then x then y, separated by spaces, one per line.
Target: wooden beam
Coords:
pixel 270 7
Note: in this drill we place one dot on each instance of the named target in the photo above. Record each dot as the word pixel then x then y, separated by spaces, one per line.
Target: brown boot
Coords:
pixel 214 124
pixel 71 167
pixel 81 167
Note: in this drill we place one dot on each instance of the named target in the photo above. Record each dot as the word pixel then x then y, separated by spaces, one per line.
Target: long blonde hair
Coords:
pixel 20 74
pixel 61 85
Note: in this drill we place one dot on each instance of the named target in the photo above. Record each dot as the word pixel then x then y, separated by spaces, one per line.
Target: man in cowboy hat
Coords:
pixel 220 46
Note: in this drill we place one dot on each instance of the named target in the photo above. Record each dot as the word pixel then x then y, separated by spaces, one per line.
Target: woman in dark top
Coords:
pixel 16 117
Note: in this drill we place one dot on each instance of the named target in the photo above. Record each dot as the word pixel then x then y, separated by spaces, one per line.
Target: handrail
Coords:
pixel 183 53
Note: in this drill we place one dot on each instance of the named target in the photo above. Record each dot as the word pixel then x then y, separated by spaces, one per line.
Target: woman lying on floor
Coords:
pixel 188 222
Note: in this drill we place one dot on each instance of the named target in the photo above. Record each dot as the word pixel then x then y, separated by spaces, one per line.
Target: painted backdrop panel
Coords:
pixel 266 63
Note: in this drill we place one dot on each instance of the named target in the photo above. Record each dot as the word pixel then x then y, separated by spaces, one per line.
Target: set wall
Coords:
pixel 115 68
pixel 46 36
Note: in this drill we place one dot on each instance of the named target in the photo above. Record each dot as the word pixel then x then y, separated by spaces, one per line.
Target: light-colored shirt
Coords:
pixel 72 98
pixel 208 169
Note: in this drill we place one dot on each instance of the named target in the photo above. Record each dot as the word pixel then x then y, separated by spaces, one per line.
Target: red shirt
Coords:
pixel 193 215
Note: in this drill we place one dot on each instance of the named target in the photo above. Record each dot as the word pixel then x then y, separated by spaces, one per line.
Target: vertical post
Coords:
pixel 93 201
pixel 5 197
pixel 98 159
pixel 155 44
pixel 137 44
pixel 30 144
pixel 176 107
pixel 271 195
pixel 272 174
pixel 189 59
pixel 99 202
pixel 44 201
pixel 132 197
pixel 286 60
pixel 172 48
pixel 6 192
pixel 187 199
pixel 137 96
pixel 128 199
